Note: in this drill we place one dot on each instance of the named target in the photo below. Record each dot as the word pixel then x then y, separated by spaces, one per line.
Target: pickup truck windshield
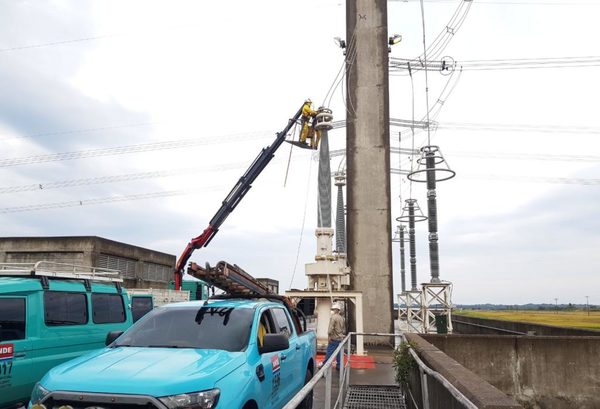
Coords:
pixel 203 327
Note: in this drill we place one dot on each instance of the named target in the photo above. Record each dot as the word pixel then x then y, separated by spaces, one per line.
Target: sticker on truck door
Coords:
pixel 275 365
pixel 7 353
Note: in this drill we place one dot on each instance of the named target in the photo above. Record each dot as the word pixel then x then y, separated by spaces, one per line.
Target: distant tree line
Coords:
pixel 527 307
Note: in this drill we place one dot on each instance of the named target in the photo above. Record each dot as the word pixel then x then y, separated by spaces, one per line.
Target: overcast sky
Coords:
pixel 519 223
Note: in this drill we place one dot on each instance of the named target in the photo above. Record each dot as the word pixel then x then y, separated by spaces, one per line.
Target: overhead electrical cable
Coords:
pixel 524 179
pixel 121 150
pixel 81 130
pixel 98 180
pixel 104 200
pixel 495 155
pixel 400 65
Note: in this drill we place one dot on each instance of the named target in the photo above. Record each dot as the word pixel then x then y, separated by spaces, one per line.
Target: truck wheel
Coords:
pixel 307 403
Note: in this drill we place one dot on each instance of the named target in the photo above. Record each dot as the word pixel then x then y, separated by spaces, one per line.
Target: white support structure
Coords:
pixel 437 300
pixel 413 311
pixel 418 309
pixel 354 297
pixel 329 272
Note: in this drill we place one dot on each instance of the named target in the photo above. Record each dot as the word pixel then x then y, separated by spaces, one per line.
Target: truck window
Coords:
pixel 61 308
pixel 107 308
pixel 12 319
pixel 282 322
pixel 203 327
pixel 140 306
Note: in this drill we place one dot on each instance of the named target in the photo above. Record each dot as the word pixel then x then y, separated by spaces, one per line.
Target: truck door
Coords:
pixel 16 381
pixel 292 367
pixel 269 368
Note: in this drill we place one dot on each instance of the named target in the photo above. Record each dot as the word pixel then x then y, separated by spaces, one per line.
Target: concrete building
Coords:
pixel 140 267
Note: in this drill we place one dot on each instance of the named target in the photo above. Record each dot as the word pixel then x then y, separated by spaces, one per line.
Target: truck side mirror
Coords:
pixel 111 336
pixel 274 342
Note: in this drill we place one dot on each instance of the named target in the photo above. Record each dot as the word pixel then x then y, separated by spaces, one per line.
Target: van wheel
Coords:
pixel 307 403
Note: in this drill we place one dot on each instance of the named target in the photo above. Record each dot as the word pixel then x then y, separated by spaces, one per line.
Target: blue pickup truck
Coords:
pixel 219 353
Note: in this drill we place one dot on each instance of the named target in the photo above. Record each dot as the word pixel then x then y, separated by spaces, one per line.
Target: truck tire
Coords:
pixel 307 403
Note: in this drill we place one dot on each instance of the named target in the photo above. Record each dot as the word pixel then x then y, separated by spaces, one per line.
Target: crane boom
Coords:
pixel 233 199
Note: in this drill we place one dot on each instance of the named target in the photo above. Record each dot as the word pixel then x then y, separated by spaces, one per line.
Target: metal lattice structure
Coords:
pixel 436 300
pixel 418 309
pixel 374 397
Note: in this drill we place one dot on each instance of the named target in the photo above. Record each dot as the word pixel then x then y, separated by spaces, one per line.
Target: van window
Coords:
pixel 12 319
pixel 140 306
pixel 61 308
pixel 107 308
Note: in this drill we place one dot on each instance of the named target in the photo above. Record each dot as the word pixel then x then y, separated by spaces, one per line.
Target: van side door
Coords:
pixel 16 380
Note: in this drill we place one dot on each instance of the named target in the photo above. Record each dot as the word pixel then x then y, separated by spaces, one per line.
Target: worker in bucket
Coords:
pixel 335 332
pixel 307 122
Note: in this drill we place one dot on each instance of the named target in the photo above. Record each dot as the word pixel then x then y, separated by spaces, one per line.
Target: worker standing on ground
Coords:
pixel 335 332
pixel 307 122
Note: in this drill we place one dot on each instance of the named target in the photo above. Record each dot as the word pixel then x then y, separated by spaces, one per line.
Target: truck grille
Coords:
pixel 100 401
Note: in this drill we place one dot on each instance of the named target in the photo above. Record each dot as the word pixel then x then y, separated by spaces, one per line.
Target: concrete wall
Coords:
pixel 483 394
pixel 471 325
pixel 88 251
pixel 539 371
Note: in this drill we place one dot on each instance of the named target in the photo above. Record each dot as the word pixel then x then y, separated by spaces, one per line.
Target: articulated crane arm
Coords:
pixel 232 200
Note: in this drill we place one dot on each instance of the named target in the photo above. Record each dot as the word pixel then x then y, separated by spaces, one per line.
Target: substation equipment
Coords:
pixel 421 308
pixel 329 276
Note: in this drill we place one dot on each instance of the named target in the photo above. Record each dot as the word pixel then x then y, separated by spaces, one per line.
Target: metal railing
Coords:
pixel 344 378
pixel 327 372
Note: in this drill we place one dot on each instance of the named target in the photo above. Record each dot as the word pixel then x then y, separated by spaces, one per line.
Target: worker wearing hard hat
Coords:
pixel 336 332
pixel 307 122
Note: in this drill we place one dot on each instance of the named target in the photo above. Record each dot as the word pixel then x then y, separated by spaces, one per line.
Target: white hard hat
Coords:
pixel 336 306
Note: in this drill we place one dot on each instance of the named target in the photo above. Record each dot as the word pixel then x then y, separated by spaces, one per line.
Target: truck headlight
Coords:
pixel 196 400
pixel 38 393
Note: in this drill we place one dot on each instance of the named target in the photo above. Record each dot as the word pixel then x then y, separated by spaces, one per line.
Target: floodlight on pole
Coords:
pixel 339 42
pixel 395 39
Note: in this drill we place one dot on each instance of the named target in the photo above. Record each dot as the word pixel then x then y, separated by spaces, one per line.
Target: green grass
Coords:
pixel 569 319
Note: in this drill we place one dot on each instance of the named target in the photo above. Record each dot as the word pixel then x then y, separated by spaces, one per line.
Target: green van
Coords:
pixel 51 313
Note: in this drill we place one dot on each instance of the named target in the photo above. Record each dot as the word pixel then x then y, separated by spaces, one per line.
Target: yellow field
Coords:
pixel 571 319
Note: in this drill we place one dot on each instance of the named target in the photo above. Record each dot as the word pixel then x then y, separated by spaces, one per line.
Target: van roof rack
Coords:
pixel 49 269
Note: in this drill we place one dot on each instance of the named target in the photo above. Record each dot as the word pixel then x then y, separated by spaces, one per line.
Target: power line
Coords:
pixel 120 178
pixel 474 126
pixel 522 178
pixel 493 155
pixel 104 200
pixel 81 130
pixel 121 150
pixel 54 43
pixel 400 65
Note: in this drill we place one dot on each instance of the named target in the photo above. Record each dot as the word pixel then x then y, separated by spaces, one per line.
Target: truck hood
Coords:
pixel 144 371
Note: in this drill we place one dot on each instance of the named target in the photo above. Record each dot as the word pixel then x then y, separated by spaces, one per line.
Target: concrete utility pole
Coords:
pixel 368 161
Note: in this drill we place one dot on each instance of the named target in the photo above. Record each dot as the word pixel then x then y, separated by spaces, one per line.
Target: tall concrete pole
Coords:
pixel 368 160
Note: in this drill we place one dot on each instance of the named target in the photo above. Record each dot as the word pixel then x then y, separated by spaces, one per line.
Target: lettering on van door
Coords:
pixel 7 352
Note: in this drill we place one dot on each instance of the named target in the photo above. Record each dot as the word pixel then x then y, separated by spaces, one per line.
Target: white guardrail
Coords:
pixel 344 378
